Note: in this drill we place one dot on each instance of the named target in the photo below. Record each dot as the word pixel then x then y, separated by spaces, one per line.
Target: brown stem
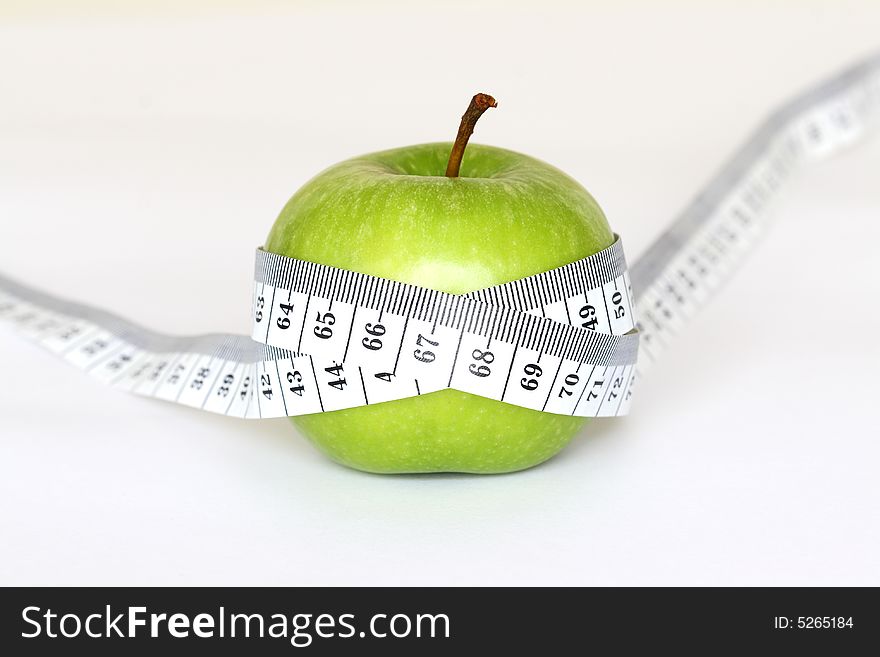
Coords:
pixel 479 104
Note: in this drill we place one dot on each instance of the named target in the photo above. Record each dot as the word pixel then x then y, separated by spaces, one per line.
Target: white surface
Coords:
pixel 170 141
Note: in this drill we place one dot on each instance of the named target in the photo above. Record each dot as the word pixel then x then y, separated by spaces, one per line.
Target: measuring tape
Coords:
pixel 325 339
pixel 564 341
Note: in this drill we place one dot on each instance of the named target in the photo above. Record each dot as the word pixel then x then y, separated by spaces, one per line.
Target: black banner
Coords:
pixel 114 621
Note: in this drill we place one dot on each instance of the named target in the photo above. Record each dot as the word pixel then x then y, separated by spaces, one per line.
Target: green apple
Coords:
pixel 396 215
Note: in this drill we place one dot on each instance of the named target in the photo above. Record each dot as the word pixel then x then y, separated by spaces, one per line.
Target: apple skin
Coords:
pixel 394 214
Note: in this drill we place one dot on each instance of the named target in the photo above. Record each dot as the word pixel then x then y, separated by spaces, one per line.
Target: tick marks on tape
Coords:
pixel 564 341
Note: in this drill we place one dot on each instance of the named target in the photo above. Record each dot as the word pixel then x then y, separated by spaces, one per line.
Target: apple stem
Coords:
pixel 479 104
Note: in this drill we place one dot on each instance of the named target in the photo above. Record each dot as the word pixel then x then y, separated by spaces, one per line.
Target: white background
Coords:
pixel 143 154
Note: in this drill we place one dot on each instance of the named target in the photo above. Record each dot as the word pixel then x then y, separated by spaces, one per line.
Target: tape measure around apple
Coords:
pixel 563 341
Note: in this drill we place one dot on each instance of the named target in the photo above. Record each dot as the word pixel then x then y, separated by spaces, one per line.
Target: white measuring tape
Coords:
pixel 563 341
